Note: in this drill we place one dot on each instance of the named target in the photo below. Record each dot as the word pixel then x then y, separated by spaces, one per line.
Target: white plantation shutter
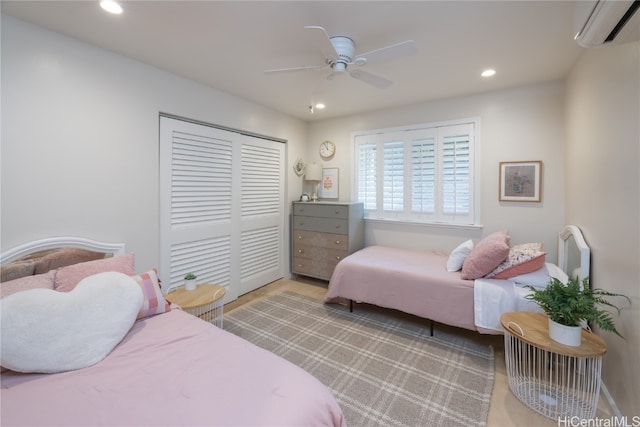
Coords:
pixel 456 173
pixel 423 173
pixel 367 165
pixel 393 176
pixel 222 207
pixel 423 176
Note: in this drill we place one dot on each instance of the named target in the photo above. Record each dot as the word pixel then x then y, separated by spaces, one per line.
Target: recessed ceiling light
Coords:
pixel 320 105
pixel 488 73
pixel 111 7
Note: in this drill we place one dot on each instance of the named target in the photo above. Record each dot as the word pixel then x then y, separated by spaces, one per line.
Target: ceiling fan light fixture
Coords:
pixel 339 51
pixel 340 67
pixel 320 106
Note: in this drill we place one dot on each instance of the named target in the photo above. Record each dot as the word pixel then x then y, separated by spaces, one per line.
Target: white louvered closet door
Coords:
pixel 262 217
pixel 222 207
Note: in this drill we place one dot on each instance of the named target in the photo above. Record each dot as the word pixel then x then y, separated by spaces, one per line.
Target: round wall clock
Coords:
pixel 327 149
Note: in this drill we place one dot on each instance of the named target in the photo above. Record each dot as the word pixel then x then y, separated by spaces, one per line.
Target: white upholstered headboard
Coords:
pixel 574 255
pixel 60 242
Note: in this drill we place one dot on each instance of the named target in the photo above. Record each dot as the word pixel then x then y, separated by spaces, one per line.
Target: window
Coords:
pixel 420 173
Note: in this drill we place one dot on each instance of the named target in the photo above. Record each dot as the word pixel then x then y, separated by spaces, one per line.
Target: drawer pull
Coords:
pixel 338 258
pixel 337 227
pixel 300 251
pixel 337 212
pixel 337 242
pixel 300 236
pixel 300 265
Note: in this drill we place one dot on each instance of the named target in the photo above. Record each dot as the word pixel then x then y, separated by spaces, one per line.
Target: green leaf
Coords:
pixel 571 303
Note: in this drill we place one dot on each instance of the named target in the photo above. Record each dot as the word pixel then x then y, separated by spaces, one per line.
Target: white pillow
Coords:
pixel 48 331
pixel 541 278
pixel 458 255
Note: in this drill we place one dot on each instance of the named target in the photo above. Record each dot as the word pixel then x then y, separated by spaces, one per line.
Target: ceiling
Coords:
pixel 228 44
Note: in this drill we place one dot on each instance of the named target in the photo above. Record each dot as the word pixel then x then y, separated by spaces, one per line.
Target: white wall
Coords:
pixel 603 196
pixel 80 139
pixel 519 124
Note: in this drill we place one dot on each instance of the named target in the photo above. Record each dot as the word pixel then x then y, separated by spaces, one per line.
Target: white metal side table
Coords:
pixel 205 302
pixel 553 379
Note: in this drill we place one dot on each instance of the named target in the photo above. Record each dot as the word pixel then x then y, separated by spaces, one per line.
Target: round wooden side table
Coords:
pixel 553 379
pixel 205 302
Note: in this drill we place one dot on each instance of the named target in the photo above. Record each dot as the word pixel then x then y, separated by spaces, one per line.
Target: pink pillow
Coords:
pixel 68 277
pixel 38 281
pixel 153 302
pixel 522 259
pixel 486 255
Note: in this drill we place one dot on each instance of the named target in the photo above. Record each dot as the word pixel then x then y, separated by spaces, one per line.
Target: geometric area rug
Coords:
pixel 383 370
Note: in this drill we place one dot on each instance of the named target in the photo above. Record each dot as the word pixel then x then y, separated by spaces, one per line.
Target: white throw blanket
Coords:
pixel 494 297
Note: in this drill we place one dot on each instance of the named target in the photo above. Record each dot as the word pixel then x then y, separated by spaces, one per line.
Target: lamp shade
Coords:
pixel 313 172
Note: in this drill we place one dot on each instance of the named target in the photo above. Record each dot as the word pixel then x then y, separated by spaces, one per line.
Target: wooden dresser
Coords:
pixel 322 234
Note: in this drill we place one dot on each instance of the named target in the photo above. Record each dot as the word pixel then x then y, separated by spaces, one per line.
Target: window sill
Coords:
pixel 440 225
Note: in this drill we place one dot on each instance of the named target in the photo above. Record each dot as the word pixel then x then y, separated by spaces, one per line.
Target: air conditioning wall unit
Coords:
pixel 601 22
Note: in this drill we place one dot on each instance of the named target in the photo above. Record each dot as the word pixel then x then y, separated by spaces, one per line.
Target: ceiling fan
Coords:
pixel 339 54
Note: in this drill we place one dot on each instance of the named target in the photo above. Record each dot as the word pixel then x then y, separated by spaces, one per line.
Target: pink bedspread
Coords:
pixel 173 369
pixel 416 282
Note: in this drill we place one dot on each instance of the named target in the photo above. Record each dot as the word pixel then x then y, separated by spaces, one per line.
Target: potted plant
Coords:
pixel 569 306
pixel 190 281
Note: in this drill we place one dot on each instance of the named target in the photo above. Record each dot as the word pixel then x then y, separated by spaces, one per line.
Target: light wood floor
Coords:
pixel 505 409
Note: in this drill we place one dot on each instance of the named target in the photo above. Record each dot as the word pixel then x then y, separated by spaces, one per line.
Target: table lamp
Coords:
pixel 313 173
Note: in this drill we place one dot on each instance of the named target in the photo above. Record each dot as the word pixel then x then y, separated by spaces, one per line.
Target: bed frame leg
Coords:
pixel 350 306
pixel 431 327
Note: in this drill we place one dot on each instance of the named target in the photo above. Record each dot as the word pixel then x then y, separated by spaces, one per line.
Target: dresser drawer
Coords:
pixel 313 268
pixel 323 240
pixel 318 253
pixel 324 225
pixel 324 211
pixel 322 234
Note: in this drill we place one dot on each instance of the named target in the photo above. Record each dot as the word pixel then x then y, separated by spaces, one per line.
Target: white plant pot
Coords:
pixel 567 335
pixel 190 285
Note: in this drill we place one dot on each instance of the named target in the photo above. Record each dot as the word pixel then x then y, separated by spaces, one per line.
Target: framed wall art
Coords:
pixel 520 181
pixel 329 184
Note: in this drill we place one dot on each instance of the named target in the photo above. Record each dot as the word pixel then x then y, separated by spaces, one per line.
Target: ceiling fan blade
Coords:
pixel 305 68
pixel 398 50
pixel 372 79
pixel 322 41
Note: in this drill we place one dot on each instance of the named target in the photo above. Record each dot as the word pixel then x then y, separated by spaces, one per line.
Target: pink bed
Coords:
pixel 173 369
pixel 169 369
pixel 415 282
